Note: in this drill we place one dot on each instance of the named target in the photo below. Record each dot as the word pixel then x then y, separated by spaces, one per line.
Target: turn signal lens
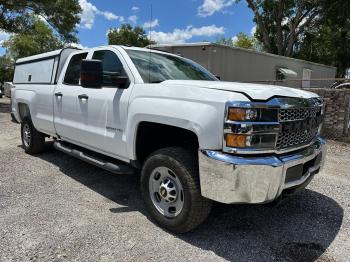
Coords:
pixel 242 114
pixel 233 140
pixel 236 114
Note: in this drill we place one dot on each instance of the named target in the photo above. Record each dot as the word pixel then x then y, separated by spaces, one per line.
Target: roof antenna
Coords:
pixel 150 47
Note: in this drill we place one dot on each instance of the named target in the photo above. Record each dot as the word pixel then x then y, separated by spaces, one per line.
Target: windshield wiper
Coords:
pixel 157 81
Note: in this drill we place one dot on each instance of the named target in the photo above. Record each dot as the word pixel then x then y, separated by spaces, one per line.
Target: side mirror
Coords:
pixel 115 79
pixel 91 73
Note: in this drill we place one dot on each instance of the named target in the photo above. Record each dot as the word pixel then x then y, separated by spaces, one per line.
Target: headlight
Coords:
pixel 278 125
pixel 239 114
pixel 249 128
pixel 242 114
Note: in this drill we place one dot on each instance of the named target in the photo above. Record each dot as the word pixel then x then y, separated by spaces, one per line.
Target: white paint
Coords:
pixel 37 72
pixel 197 106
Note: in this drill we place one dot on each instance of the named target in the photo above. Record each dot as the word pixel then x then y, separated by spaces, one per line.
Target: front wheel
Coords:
pixel 171 189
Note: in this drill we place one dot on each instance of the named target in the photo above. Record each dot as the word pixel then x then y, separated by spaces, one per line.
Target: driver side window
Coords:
pixel 112 66
pixel 110 61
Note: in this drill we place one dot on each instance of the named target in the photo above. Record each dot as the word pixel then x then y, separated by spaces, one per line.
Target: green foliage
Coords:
pixel 39 39
pixel 224 41
pixel 281 23
pixel 6 69
pixel 242 40
pixel 63 15
pixel 127 35
pixel 328 42
pixel 314 30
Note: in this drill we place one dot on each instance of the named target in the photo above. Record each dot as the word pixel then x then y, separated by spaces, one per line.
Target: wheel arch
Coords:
pixel 151 136
pixel 23 101
pixel 23 111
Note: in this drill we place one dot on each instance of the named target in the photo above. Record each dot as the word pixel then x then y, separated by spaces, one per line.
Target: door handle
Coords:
pixel 83 96
pixel 58 94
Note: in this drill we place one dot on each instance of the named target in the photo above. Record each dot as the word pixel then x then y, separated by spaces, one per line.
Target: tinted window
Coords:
pixel 73 70
pixel 110 61
pixel 157 67
pixel 112 67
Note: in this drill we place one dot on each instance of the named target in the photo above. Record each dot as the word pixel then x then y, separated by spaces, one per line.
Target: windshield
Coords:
pixel 157 67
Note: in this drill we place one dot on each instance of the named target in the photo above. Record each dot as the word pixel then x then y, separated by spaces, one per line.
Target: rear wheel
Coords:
pixel 171 189
pixel 33 141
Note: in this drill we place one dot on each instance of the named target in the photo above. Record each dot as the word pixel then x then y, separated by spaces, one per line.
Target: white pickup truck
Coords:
pixel 193 138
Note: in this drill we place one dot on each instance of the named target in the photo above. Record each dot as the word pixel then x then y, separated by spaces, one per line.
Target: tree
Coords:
pixel 6 69
pixel 127 35
pixel 39 39
pixel 244 41
pixel 241 40
pixel 62 15
pixel 281 23
pixel 328 41
pixel 224 41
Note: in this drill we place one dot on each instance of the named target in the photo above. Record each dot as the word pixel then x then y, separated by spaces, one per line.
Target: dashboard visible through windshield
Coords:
pixel 157 67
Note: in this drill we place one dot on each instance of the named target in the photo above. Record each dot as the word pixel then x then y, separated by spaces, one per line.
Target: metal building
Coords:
pixel 242 65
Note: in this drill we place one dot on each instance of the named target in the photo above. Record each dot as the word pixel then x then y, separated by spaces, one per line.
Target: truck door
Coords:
pixel 67 114
pixel 94 118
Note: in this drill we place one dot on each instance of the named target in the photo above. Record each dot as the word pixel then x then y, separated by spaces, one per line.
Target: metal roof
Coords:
pixel 240 49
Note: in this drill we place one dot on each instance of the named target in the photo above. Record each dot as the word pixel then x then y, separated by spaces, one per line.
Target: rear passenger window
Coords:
pixel 73 70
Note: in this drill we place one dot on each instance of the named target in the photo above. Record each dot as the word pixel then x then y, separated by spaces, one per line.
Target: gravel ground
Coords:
pixel 57 208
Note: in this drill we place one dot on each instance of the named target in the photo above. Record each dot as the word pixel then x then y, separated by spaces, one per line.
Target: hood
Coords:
pixel 253 91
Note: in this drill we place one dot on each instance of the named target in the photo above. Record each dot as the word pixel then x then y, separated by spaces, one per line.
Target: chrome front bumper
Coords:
pixel 235 179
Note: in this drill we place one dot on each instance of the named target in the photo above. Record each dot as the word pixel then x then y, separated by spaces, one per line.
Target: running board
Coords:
pixel 111 167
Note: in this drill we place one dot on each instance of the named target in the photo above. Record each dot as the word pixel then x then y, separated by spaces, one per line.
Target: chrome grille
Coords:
pixel 294 139
pixel 294 114
pixel 283 124
pixel 302 132
pixel 297 113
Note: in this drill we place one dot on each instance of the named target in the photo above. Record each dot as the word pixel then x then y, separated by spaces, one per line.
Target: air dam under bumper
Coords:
pixel 234 179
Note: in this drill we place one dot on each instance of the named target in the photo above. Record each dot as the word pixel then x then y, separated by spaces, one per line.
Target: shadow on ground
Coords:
pixel 4 106
pixel 300 229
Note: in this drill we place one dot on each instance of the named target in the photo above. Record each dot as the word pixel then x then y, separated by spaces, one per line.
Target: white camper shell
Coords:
pixel 41 69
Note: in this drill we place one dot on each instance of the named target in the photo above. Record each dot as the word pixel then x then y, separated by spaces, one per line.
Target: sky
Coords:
pixel 173 21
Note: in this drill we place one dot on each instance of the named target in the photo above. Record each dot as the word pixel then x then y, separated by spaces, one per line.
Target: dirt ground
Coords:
pixel 57 208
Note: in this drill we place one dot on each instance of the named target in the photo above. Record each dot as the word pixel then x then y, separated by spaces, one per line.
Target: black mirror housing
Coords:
pixel 122 82
pixel 93 76
pixel 91 73
pixel 115 79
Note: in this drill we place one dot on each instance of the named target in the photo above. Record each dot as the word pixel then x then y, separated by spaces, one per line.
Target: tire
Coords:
pixel 180 167
pixel 33 141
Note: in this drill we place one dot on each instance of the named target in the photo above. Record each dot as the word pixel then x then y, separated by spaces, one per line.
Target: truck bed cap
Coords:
pixel 39 56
